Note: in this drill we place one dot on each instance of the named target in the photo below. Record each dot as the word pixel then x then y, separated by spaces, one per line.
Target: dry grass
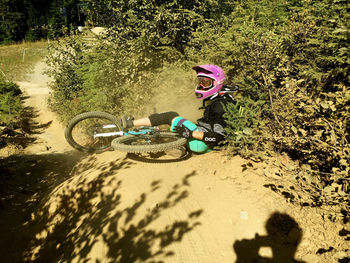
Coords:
pixel 17 60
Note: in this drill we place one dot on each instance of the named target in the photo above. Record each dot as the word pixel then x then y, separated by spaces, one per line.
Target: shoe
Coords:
pixel 176 152
pixel 127 122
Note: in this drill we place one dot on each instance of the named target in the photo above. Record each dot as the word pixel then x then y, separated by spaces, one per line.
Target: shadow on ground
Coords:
pixel 282 240
pixel 159 157
pixel 28 123
pixel 21 134
pixel 63 207
pixel 90 221
pixel 25 180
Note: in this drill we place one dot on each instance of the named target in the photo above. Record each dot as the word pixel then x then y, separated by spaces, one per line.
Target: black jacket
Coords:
pixel 213 121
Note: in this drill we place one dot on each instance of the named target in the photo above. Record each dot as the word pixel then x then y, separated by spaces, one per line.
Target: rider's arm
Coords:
pixel 208 137
pixel 198 135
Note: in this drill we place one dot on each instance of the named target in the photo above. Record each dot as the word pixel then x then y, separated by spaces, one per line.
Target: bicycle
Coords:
pixel 96 132
pixel 100 131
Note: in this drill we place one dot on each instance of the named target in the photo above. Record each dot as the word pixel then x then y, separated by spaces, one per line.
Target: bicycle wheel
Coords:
pixel 148 143
pixel 92 131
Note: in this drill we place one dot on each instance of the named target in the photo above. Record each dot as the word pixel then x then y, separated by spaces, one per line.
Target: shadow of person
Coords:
pixel 283 237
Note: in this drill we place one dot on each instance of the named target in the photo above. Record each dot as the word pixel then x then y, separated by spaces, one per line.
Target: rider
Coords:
pixel 209 130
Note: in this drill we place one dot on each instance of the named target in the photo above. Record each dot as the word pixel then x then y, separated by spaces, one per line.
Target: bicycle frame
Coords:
pixel 140 131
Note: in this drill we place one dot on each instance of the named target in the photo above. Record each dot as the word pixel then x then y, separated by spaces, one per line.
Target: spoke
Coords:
pixel 95 133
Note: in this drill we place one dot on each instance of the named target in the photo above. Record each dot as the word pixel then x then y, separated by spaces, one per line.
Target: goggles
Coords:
pixel 204 83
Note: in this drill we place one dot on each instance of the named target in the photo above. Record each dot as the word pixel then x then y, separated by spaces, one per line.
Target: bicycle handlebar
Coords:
pixel 231 88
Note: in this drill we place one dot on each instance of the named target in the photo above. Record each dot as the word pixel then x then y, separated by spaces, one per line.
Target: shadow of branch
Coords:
pixel 90 220
pixel 25 180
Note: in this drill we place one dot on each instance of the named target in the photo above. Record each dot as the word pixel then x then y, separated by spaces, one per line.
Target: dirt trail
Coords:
pixel 50 138
pixel 207 209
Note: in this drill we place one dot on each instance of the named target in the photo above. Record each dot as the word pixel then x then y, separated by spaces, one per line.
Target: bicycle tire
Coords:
pixel 124 143
pixel 105 145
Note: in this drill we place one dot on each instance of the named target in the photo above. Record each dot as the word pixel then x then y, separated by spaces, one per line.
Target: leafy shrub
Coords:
pixel 316 132
pixel 244 131
pixel 63 60
pixel 114 75
pixel 313 102
pixel 9 87
pixel 292 60
pixel 10 103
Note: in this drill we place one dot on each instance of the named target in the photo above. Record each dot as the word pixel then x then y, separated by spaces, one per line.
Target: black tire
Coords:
pixel 156 142
pixel 79 132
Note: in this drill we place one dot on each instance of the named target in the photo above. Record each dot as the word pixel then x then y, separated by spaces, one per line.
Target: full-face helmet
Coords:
pixel 210 80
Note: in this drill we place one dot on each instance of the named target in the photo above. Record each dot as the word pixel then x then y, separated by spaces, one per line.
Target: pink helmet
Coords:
pixel 213 72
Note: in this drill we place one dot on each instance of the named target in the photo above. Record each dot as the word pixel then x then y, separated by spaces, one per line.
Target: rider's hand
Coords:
pixel 184 132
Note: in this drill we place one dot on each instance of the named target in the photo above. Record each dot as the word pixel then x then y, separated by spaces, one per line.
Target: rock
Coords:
pixel 244 215
pixel 311 258
pixel 340 255
pixel 265 252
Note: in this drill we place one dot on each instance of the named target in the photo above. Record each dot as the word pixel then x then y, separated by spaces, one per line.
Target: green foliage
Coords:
pixel 63 18
pixel 313 101
pixel 161 24
pixel 33 20
pixel 10 103
pixel 9 87
pixel 317 44
pixel 244 130
pixel 113 76
pixel 12 23
pixel 63 61
pixel 293 57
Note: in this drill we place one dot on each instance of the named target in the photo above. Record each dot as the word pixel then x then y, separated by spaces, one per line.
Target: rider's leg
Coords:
pixel 153 120
pixel 193 144
pixel 162 118
pixel 142 122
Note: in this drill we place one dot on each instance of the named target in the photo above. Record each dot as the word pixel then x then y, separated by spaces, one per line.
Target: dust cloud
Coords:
pixel 176 94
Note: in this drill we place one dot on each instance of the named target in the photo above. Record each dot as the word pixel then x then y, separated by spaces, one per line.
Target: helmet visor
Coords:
pixel 204 83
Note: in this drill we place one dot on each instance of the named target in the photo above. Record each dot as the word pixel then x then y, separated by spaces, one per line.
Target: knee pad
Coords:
pixel 162 118
pixel 180 121
pixel 198 146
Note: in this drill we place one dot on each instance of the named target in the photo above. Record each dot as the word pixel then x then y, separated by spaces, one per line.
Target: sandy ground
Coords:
pixel 51 138
pixel 113 207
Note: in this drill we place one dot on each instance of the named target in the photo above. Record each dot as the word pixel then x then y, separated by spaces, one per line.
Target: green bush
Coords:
pixel 291 58
pixel 313 102
pixel 63 60
pixel 245 129
pixel 10 103
pixel 113 75
pixel 9 87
